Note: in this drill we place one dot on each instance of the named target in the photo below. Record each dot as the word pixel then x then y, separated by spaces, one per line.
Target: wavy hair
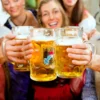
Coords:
pixel 39 15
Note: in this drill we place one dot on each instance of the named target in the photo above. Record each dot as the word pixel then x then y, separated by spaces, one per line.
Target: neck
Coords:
pixel 69 10
pixel 20 20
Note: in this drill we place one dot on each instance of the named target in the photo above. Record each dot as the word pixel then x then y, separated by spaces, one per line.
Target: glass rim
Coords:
pixel 68 27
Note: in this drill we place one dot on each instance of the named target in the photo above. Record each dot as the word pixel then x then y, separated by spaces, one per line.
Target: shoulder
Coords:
pixel 32 20
pixel 34 12
pixel 87 15
pixel 88 22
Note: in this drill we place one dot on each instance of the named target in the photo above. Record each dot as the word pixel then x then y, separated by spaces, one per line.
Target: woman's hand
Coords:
pixel 16 49
pixel 80 53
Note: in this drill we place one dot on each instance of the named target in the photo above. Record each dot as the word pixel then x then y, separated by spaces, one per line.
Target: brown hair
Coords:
pixel 65 17
pixel 77 12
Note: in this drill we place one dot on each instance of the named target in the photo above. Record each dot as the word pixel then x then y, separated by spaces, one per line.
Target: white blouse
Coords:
pixel 88 24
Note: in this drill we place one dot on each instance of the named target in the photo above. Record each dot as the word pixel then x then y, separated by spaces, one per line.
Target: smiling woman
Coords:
pixel 19 16
pixel 51 17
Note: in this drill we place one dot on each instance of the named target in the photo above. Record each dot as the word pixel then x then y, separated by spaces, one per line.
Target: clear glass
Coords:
pixel 22 33
pixel 42 66
pixel 65 38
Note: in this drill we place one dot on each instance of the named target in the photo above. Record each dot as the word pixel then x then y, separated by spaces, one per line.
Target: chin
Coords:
pixel 70 4
pixel 14 15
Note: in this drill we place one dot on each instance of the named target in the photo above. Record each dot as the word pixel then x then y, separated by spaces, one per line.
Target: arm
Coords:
pixel 89 90
pixel 2 58
pixel 82 56
pixel 95 63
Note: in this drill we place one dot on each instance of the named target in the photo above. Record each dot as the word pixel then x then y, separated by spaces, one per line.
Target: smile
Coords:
pixel 53 24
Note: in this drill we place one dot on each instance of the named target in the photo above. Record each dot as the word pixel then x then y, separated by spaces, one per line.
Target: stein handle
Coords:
pixel 91 46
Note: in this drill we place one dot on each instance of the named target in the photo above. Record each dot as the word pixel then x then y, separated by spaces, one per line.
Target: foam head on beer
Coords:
pixel 42 62
pixel 22 32
pixel 42 34
pixel 66 37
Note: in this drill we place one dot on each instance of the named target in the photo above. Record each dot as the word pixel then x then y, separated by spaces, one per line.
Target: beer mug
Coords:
pixel 42 62
pixel 65 38
pixel 22 33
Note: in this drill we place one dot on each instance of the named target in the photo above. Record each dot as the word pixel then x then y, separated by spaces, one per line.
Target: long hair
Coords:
pixel 39 15
pixel 77 12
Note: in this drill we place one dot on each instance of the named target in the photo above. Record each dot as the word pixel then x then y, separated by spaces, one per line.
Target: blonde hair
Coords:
pixel 39 15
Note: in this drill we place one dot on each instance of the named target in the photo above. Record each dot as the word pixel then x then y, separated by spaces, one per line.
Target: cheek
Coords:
pixel 60 18
pixel 21 4
pixel 44 20
pixel 7 9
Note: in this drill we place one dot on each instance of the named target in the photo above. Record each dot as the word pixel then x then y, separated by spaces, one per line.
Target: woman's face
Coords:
pixel 51 15
pixel 13 7
pixel 69 2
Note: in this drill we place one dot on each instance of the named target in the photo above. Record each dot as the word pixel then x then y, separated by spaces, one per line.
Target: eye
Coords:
pixel 16 0
pixel 56 11
pixel 45 14
pixel 5 3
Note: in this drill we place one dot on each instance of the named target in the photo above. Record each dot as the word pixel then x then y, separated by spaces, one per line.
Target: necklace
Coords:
pixel 22 23
pixel 24 20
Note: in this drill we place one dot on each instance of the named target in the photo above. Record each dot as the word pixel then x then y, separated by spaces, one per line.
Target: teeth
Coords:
pixel 54 23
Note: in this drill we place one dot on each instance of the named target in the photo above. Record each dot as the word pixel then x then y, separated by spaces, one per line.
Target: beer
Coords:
pixel 17 66
pixel 22 33
pixel 64 66
pixel 42 62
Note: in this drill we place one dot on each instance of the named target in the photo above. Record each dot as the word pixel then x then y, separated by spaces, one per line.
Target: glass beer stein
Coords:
pixel 22 33
pixel 65 38
pixel 42 62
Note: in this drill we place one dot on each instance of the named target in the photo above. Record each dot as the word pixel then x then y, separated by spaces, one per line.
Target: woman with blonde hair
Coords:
pixel 64 15
pixel 51 15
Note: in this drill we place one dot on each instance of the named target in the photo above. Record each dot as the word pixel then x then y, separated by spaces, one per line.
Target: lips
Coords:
pixel 69 1
pixel 13 10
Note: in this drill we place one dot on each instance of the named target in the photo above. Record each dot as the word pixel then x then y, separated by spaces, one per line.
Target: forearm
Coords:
pixel 95 63
pixel 2 58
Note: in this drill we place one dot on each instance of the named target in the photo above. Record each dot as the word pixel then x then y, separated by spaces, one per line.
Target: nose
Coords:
pixel 12 4
pixel 51 16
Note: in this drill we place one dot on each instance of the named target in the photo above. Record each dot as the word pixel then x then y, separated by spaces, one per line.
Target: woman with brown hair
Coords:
pixel 79 16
